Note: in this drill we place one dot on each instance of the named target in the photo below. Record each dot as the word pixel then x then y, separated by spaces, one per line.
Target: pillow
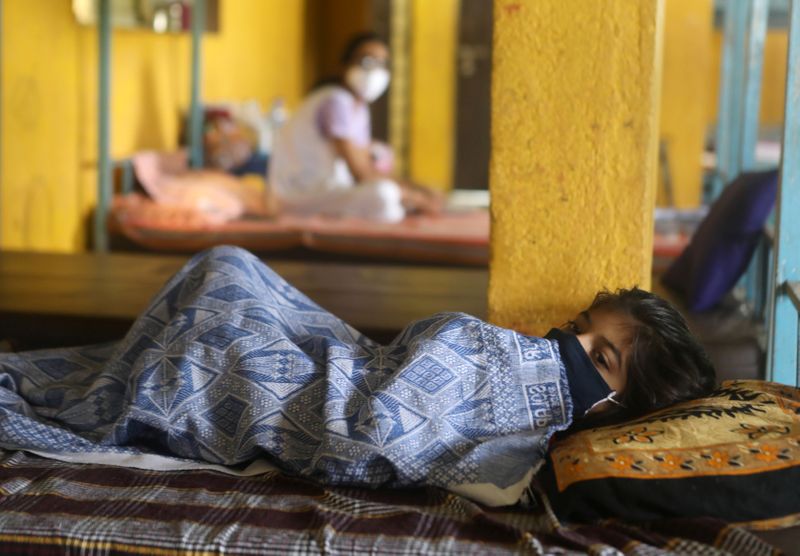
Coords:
pixel 734 455
pixel 723 245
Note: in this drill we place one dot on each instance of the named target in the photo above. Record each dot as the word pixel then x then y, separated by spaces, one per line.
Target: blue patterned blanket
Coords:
pixel 230 364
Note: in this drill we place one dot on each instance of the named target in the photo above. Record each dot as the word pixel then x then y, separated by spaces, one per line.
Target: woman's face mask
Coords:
pixel 369 84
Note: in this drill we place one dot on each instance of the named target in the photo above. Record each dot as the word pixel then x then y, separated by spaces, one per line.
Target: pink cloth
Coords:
pixel 210 196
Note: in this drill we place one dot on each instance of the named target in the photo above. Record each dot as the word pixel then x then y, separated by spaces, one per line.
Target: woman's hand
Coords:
pixel 421 199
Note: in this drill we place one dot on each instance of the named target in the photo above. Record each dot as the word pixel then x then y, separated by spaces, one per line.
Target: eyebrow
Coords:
pixel 614 349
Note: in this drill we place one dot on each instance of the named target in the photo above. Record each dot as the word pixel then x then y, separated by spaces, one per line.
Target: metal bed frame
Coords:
pixel 772 283
pixel 104 163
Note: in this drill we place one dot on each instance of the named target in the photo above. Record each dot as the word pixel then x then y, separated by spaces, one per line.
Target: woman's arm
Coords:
pixel 416 198
pixel 358 159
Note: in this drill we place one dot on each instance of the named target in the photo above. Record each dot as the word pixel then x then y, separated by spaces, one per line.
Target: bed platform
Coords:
pixel 455 238
pixel 49 507
pixel 459 237
pixel 56 299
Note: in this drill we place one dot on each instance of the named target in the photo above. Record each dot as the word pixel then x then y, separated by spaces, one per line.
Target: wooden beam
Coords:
pixel 119 286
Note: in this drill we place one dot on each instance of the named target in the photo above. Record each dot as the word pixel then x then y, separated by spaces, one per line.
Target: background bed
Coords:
pixel 458 237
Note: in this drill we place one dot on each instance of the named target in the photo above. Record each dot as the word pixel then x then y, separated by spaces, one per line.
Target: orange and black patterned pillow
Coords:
pixel 734 455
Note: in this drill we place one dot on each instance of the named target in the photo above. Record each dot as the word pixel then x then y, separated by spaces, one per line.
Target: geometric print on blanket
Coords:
pixel 230 363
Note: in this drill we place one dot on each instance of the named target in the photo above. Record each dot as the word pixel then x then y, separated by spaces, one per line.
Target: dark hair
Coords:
pixel 356 42
pixel 666 365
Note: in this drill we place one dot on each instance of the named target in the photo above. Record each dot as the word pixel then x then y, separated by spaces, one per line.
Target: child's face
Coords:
pixel 606 336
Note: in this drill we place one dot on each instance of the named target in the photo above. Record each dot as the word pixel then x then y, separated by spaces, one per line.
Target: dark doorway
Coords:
pixel 473 86
pixel 381 24
pixel 329 25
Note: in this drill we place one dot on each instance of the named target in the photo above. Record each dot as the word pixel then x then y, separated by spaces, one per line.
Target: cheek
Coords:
pixel 586 343
pixel 614 382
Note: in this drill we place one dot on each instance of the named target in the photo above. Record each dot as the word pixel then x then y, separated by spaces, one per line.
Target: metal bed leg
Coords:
pixel 195 108
pixel 750 125
pixel 745 32
pixel 104 128
pixel 752 86
pixel 731 92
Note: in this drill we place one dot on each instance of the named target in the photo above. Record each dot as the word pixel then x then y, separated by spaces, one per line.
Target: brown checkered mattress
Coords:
pixel 49 507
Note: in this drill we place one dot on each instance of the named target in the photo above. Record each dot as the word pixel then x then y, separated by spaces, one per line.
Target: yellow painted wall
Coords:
pixel 432 91
pixel 39 174
pixel 48 183
pixel 688 74
pixel 773 90
pixel 574 142
pixel 773 87
pixel 690 90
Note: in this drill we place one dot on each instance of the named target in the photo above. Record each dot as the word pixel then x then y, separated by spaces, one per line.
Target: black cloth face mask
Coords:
pixel 586 385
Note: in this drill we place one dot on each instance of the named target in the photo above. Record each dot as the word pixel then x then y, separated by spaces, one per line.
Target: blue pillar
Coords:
pixel 104 127
pixel 783 329
pixel 731 94
pixel 730 86
pixel 196 108
pixel 757 33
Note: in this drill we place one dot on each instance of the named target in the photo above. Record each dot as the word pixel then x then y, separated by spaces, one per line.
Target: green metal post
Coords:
pixel 104 128
pixel 196 108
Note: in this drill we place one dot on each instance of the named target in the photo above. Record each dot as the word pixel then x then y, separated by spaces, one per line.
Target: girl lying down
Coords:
pixel 231 367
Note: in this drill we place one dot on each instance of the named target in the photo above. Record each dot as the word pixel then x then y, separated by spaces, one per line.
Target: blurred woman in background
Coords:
pixel 325 161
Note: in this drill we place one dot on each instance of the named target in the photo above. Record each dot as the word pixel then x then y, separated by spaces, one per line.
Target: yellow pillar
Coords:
pixel 39 192
pixel 688 40
pixel 575 94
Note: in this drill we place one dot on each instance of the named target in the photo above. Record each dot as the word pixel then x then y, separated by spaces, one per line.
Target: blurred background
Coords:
pixel 435 116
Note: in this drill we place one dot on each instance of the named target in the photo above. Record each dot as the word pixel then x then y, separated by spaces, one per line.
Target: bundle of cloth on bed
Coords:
pixel 232 366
